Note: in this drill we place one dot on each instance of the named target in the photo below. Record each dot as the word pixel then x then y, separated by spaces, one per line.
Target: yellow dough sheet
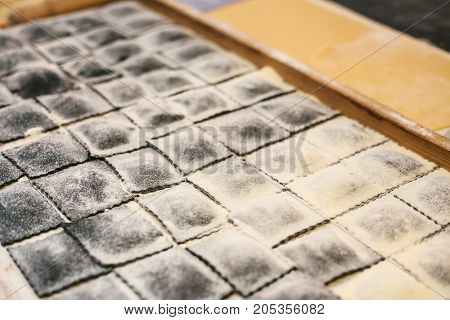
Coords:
pixel 407 74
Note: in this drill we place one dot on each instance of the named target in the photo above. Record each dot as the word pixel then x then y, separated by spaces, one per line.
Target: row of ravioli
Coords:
pixel 386 230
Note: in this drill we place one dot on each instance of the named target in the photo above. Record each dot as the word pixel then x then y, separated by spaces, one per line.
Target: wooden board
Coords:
pixel 369 112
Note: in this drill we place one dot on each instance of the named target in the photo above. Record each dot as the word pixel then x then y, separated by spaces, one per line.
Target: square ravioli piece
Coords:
pixel 89 71
pixel 430 194
pixel 24 212
pixel 8 42
pixel 39 31
pixel 6 97
pixel 145 170
pixel 8 171
pixel 234 183
pixel 22 119
pixel 74 105
pixel 60 51
pixel 389 165
pixel 19 59
pixel 185 211
pixel 35 82
pixel 328 252
pixel 384 281
pixel 140 23
pixel 203 103
pixel 244 131
pixel 143 64
pixel 430 262
pixel 121 9
pixel 156 117
pixel 295 111
pixel 174 275
pixel 168 82
pixel 165 38
pixel 191 149
pixel 241 260
pixel 101 37
pixel 255 86
pixel 119 51
pixel 108 135
pixel 108 287
pixel 334 190
pixel 191 52
pixel 220 66
pixel 291 158
pixel 295 286
pixel 84 190
pixel 119 235
pixel 82 21
pixel 47 153
pixel 276 218
pixel 342 137
pixel 123 92
pixel 54 263
pixel 388 225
